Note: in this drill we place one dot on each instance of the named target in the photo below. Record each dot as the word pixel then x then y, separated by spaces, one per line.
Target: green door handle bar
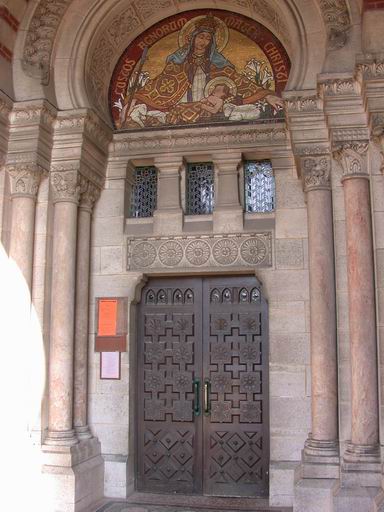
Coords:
pixel 196 390
pixel 207 400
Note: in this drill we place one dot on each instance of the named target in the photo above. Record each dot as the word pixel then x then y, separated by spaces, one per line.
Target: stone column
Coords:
pixel 364 445
pixel 228 213
pixel 168 216
pixel 25 180
pixel 65 191
pixel 323 440
pixel 89 194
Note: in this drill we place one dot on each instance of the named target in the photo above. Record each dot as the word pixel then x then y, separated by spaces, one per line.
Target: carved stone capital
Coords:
pixel 25 179
pixel 65 184
pixel 371 70
pixel 89 194
pixel 316 172
pixel 352 156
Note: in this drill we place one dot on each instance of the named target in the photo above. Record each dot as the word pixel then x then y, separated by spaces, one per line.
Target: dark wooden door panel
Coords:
pixel 236 454
pixel 169 353
pixel 212 331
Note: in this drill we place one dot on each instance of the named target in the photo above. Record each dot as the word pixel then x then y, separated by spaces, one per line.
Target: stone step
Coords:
pixel 359 499
pixel 314 495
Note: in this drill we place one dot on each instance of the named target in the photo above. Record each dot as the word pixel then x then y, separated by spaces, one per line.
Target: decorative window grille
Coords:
pixel 200 189
pixel 259 186
pixel 144 192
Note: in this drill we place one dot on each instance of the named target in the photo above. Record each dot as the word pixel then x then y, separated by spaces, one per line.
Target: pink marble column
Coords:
pixel 364 445
pixel 65 191
pixel 323 440
pixel 89 194
pixel 25 180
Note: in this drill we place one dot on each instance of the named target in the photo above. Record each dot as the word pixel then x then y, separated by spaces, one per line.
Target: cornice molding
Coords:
pixel 186 141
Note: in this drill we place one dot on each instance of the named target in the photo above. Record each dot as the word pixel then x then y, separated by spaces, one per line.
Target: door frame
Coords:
pixel 133 306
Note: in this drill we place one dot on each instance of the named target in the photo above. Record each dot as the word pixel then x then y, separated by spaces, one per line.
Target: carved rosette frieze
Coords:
pixel 316 172
pixel 25 179
pixel 89 194
pixel 205 251
pixel 65 184
pixel 352 156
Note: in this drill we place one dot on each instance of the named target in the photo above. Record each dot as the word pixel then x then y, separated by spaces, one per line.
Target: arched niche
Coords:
pixel 72 64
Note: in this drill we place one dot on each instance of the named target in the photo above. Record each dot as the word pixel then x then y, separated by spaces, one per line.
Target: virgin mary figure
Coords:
pixel 186 74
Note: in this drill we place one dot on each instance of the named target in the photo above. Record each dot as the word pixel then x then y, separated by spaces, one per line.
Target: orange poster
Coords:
pixel 107 317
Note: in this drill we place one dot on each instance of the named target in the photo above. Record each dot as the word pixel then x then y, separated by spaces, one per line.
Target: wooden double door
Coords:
pixel 202 411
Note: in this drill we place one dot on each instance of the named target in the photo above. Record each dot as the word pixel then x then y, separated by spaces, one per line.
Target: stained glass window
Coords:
pixel 259 186
pixel 200 189
pixel 144 192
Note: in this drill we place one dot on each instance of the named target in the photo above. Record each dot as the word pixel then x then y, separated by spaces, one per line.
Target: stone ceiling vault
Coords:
pixel 68 48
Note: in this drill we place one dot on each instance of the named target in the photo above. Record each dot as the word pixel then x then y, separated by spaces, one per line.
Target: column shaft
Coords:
pixel 323 439
pixel 62 324
pixel 22 234
pixel 362 318
pixel 81 324
pixel 322 316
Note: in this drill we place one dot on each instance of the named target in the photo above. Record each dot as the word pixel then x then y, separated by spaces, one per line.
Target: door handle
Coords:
pixel 207 400
pixel 196 390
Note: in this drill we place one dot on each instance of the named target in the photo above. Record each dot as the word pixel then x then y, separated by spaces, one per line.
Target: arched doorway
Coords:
pixel 203 421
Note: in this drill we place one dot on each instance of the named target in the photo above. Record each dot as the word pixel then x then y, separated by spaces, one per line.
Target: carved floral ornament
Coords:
pixel 25 179
pixel 352 157
pixel 378 135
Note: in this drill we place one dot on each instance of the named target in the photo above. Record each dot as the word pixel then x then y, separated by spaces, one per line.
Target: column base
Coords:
pixel 83 433
pixel 361 466
pixel 61 438
pixel 227 219
pixel 73 475
pixel 320 459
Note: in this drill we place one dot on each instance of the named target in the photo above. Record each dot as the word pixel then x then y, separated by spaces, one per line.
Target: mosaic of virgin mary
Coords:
pixel 198 83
